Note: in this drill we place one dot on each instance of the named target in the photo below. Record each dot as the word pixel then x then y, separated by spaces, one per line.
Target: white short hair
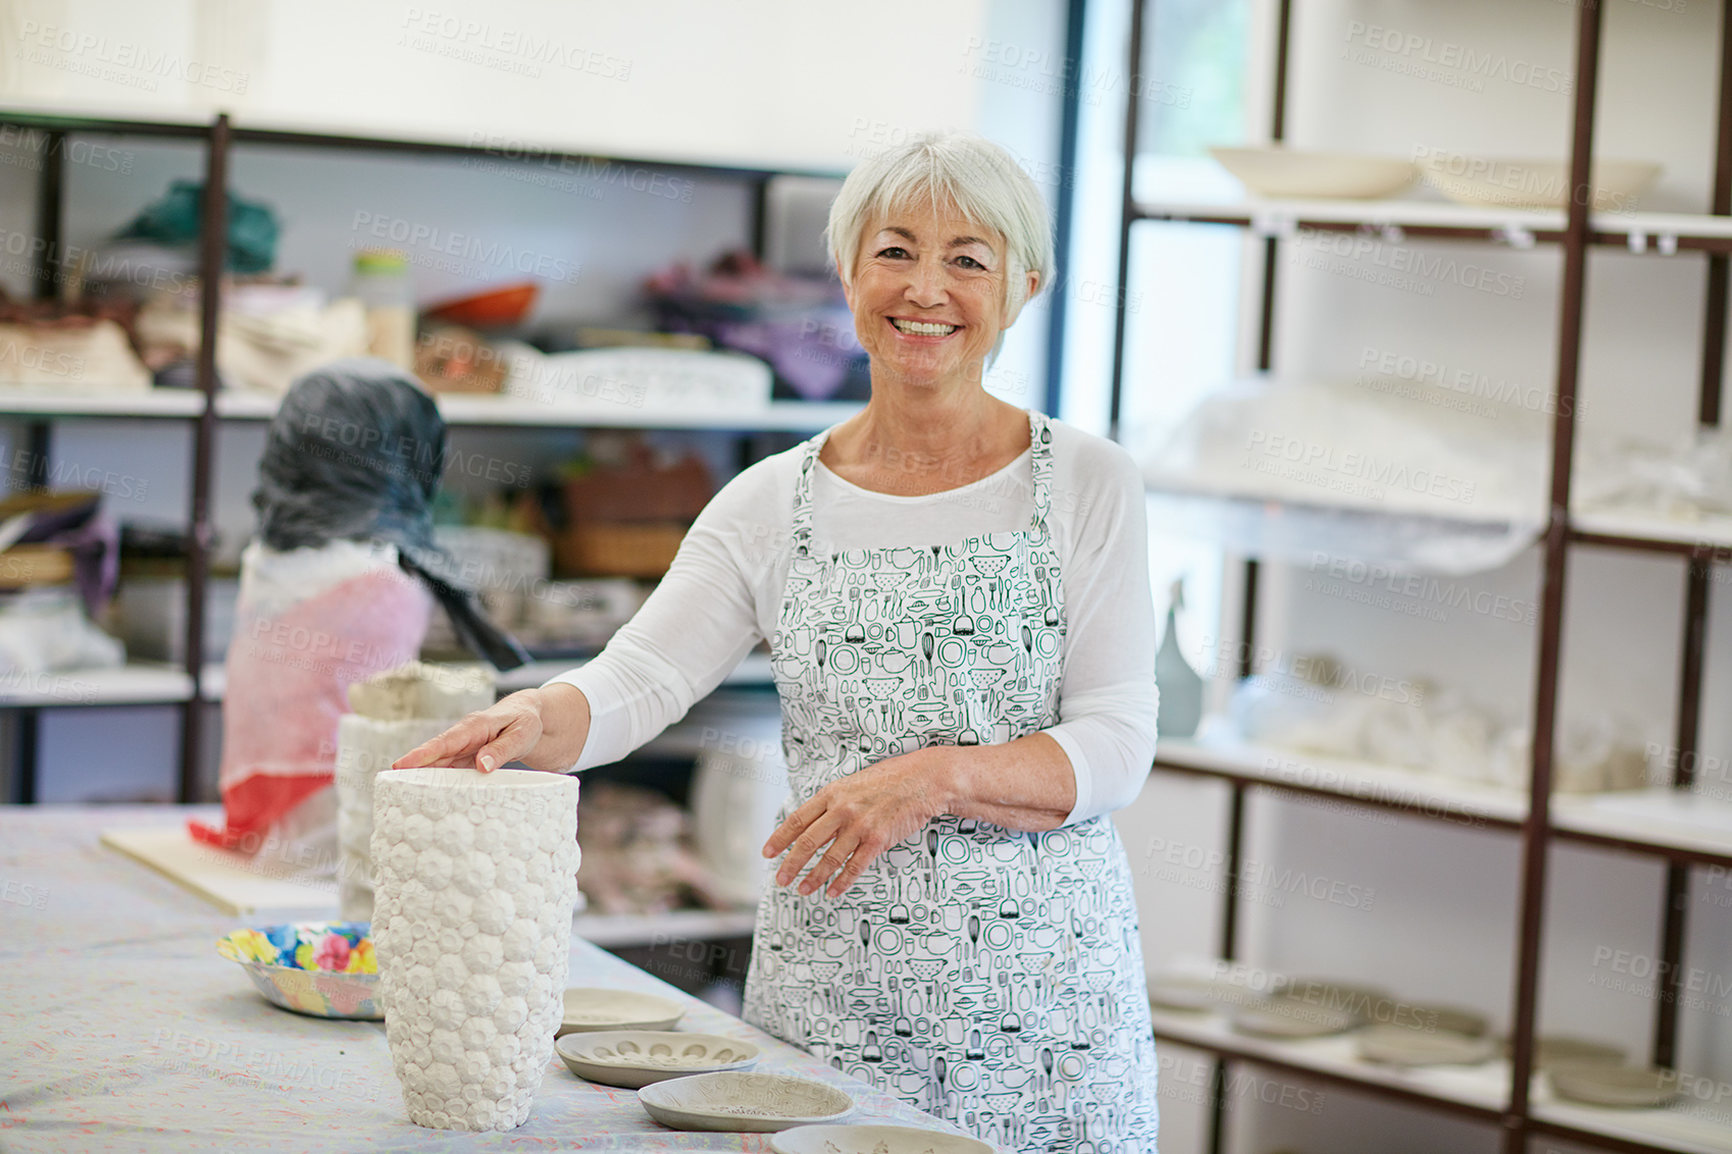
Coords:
pixel 979 178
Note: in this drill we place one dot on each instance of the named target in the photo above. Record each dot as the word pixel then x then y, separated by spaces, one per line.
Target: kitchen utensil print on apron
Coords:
pixel 990 977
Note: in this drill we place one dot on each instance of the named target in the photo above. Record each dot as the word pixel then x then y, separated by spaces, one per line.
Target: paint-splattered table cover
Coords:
pixel 122 1030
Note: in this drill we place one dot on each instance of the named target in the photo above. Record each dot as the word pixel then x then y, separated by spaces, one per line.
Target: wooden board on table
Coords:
pixel 230 881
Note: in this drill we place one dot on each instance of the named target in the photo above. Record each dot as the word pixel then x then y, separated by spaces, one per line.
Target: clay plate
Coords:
pixel 874 1140
pixel 1625 1086
pixel 743 1102
pixel 1401 1046
pixel 1291 1018
pixel 587 1010
pixel 1200 993
pixel 636 1058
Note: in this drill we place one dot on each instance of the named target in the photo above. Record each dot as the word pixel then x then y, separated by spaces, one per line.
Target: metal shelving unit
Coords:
pixel 193 686
pixel 1681 827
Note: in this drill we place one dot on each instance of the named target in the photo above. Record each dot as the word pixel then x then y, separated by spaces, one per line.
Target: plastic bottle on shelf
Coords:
pixel 381 283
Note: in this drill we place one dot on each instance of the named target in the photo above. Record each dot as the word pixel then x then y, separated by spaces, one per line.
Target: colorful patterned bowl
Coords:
pixel 323 969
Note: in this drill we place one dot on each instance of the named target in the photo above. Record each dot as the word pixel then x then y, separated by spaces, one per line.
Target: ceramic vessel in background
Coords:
pixel 365 746
pixel 1276 171
pixel 475 878
pixel 394 711
pixel 736 792
pixel 1180 705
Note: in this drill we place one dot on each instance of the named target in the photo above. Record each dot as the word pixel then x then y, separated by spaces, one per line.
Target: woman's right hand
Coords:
pixel 543 728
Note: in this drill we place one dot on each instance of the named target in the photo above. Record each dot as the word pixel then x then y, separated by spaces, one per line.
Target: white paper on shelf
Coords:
pixel 652 380
pixel 1684 482
pixel 1405 474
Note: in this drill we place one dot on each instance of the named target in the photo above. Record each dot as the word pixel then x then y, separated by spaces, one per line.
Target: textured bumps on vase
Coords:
pixel 475 879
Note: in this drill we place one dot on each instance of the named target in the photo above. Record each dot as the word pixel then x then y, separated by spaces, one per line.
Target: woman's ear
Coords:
pixel 1033 287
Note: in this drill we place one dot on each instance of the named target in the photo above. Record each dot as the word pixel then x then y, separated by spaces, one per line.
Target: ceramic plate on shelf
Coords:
pixel 1445 1020
pixel 588 1009
pixel 1291 1018
pixel 1288 172
pixel 1561 1050
pixel 1625 1086
pixel 1361 1004
pixel 636 1058
pixel 1401 1046
pixel 874 1140
pixel 1198 992
pixel 738 1102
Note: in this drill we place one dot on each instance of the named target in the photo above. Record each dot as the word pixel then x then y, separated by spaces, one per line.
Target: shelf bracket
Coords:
pixel 1517 236
pixel 1279 225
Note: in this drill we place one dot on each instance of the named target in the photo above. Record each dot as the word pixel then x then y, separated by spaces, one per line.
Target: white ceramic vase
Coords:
pixel 475 877
pixel 394 711
pixel 366 746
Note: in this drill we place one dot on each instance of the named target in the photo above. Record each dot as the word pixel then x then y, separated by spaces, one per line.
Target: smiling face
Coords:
pixel 928 296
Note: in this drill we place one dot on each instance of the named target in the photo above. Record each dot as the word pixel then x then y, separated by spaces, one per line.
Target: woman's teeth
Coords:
pixel 922 328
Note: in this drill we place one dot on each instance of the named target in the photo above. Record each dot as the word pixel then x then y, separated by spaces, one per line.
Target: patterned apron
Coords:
pixel 987 976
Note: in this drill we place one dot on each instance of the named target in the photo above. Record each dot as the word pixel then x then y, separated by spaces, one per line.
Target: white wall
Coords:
pixel 775 82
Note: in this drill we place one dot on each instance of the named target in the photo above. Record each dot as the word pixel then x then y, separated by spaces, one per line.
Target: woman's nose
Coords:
pixel 926 285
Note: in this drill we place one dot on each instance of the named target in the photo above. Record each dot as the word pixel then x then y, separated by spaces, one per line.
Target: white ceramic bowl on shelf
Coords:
pixel 1525 182
pixel 1284 172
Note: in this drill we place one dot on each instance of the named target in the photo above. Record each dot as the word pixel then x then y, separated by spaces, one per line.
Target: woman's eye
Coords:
pixel 894 252
pixel 969 262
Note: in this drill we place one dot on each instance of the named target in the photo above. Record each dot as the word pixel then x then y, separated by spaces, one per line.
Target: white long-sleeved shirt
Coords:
pixel 723 593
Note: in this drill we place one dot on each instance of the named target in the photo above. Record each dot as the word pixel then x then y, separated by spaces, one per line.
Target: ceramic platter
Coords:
pixel 1291 1018
pixel 596 1009
pixel 1560 1050
pixel 1361 1003
pixel 874 1140
pixel 1625 1086
pixel 635 1058
pixel 743 1102
pixel 1449 1020
pixel 1199 993
pixel 1400 1046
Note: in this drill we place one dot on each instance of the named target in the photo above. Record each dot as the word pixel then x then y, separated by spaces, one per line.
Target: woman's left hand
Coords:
pixel 859 817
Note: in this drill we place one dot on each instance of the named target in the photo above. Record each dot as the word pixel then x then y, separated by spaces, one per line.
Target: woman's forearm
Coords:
pixel 1026 784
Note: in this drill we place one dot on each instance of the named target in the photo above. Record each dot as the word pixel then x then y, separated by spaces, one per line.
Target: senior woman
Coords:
pixel 957 601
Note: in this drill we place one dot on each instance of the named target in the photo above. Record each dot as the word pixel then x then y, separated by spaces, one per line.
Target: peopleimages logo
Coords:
pixel 508 49
pixel 1447 60
pixel 1386 371
pixel 1358 256
pixel 1348 471
pixel 430 245
pixel 119 61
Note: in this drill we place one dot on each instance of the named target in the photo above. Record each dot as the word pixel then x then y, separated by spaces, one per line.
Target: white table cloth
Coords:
pixel 122 1030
